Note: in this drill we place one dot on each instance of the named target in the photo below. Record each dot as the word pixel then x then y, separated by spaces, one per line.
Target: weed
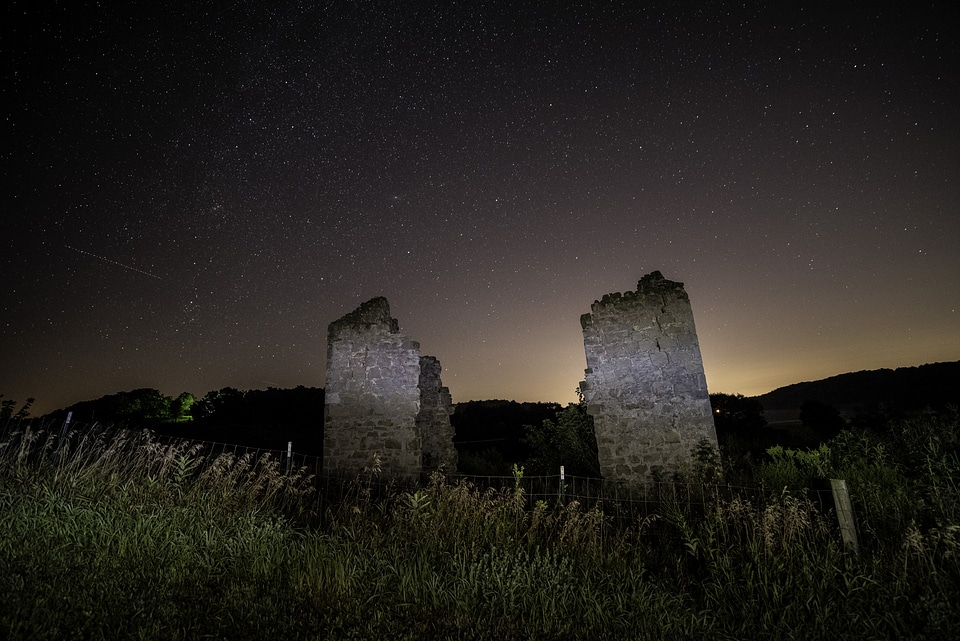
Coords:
pixel 115 535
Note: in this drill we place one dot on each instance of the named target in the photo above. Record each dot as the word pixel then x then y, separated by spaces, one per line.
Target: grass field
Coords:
pixel 114 535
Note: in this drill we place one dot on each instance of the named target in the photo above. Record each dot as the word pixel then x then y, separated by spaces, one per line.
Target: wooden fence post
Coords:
pixel 848 527
pixel 66 426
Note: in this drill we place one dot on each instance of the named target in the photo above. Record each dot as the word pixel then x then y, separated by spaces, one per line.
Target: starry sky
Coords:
pixel 193 191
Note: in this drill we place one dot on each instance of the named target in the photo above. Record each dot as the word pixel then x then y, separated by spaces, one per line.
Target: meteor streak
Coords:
pixel 113 262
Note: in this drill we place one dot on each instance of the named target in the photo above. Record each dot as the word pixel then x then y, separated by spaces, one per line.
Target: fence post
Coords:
pixel 289 456
pixel 562 477
pixel 66 427
pixel 848 527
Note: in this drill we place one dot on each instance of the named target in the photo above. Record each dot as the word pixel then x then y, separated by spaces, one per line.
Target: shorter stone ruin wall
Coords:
pixel 386 408
pixel 645 386
pixel 433 420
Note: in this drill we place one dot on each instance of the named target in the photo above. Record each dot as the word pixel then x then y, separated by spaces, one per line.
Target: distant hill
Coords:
pixel 904 390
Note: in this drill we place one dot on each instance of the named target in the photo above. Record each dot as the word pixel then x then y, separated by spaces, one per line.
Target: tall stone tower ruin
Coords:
pixel 645 386
pixel 379 403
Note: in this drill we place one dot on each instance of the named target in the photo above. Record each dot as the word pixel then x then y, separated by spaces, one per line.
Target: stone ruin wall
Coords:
pixel 645 386
pixel 374 399
pixel 433 420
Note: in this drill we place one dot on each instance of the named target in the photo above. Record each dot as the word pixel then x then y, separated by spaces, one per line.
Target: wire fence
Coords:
pixel 624 504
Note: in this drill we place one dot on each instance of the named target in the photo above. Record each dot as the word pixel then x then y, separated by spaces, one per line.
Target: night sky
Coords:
pixel 191 194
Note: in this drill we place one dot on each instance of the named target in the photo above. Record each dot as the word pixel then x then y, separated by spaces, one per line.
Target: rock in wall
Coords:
pixel 645 386
pixel 372 395
pixel 433 421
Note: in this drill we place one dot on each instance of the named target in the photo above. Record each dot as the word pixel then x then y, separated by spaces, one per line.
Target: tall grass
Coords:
pixel 116 535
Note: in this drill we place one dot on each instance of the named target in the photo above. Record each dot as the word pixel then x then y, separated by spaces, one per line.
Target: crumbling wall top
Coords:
pixel 654 282
pixel 372 313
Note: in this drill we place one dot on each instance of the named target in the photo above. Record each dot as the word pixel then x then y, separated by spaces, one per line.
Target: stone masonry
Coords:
pixel 374 398
pixel 645 386
pixel 433 420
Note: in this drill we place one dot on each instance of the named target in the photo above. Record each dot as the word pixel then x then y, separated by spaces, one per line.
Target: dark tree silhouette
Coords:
pixel 7 409
pixel 737 414
pixel 181 406
pixel 824 420
pixel 222 406
pixel 498 423
pixel 144 406
pixel 300 406
pixel 569 441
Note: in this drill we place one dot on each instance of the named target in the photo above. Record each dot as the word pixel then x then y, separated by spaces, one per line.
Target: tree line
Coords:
pixel 298 407
pixel 490 436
